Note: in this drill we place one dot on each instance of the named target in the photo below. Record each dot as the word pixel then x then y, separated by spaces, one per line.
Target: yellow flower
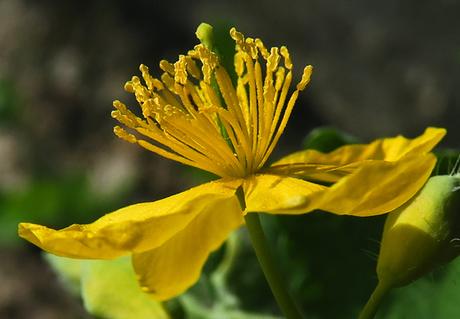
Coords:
pixel 231 134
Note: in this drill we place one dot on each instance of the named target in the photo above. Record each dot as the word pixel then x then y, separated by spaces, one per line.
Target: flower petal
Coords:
pixel 135 228
pixel 277 194
pixel 349 157
pixel 168 270
pixel 375 188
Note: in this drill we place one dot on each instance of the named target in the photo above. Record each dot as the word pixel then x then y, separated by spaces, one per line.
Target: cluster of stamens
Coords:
pixel 196 116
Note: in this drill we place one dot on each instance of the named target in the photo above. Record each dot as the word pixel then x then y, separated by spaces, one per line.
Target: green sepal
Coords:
pixel 418 235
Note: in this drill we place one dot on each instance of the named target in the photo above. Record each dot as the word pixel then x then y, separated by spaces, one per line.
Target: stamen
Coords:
pixel 231 131
pixel 192 68
pixel 305 78
pixel 121 133
pixel 167 67
pixel 180 70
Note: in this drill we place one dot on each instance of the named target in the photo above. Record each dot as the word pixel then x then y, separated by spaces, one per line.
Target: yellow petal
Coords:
pixel 397 147
pixel 277 194
pixel 348 158
pixel 329 173
pixel 135 228
pixel 375 188
pixel 170 269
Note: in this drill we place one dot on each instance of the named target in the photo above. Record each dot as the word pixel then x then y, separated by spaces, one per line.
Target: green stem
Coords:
pixel 370 309
pixel 271 272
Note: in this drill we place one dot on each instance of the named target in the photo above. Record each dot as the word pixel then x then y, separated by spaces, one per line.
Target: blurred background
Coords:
pixel 381 69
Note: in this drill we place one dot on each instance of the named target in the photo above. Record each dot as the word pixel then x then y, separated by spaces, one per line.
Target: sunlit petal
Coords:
pixel 375 188
pixel 168 270
pixel 341 162
pixel 378 187
pixel 277 194
pixel 135 228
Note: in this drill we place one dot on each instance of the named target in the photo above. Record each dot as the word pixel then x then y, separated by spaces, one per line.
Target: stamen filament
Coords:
pixel 196 116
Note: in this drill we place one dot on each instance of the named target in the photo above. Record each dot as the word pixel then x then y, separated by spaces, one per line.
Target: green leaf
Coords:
pixel 110 290
pixel 326 139
pixel 108 287
pixel 68 270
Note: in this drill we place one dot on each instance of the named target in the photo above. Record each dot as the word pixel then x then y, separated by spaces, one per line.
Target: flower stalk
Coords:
pixel 269 267
pixel 370 309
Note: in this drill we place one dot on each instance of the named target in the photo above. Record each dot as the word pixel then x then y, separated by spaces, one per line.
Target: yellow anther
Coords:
pixel 143 68
pixel 129 87
pixel 123 114
pixel 119 105
pixel 237 36
pixel 146 76
pixel 148 108
pixel 305 77
pixel 193 53
pixel 273 59
pixel 141 92
pixel 168 81
pixel 209 60
pixel 120 118
pixel 180 70
pixel 121 133
pixel 124 118
pixel 252 48
pixel 136 81
pixel 157 84
pixel 115 114
pixel 151 82
pixel 167 67
pixel 242 44
pixel 287 59
pixel 184 114
pixel 263 50
pixel 192 68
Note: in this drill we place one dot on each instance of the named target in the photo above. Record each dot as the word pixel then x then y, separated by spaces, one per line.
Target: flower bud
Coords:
pixel 422 233
pixel 417 237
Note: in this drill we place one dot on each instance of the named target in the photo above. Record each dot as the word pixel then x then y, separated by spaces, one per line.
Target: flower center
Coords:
pixel 196 116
